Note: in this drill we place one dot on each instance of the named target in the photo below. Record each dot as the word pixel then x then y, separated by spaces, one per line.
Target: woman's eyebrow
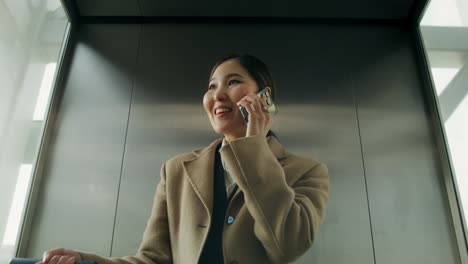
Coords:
pixel 233 75
pixel 229 76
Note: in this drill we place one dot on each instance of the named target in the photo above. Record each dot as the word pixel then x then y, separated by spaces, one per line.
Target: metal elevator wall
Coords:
pixel 348 95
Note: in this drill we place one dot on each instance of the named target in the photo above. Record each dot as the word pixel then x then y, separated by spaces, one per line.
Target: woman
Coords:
pixel 242 199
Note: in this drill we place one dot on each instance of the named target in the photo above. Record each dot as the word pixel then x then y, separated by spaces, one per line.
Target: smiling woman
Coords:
pixel 233 77
pixel 243 198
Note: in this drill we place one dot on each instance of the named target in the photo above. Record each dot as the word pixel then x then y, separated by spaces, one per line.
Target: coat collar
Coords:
pixel 199 170
pixel 278 150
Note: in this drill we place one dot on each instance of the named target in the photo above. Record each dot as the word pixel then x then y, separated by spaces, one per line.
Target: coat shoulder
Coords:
pixel 177 160
pixel 175 164
pixel 296 166
pixel 300 161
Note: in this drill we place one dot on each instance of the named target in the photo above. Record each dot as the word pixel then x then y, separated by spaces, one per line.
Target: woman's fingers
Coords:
pixel 49 254
pixel 62 259
pixel 259 104
pixel 71 260
pixel 259 119
pixel 249 106
pixel 57 259
pixel 254 102
pixel 60 256
pixel 263 115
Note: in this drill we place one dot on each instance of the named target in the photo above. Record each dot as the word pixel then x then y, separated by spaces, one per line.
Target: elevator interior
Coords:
pixel 351 91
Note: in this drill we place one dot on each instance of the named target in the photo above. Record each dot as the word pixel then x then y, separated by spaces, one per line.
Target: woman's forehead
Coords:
pixel 229 68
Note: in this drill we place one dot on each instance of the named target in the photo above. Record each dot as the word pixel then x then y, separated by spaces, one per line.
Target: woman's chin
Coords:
pixel 230 130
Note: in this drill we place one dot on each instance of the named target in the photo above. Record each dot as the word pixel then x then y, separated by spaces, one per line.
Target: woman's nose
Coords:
pixel 220 93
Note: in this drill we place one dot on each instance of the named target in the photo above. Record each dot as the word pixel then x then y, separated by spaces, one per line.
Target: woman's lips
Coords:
pixel 223 113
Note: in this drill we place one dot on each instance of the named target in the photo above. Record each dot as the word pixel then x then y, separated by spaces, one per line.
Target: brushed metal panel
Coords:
pixel 411 218
pixel 78 193
pixel 317 118
pixel 108 7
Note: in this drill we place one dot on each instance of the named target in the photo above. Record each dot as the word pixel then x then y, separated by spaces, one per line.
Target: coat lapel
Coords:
pixel 200 170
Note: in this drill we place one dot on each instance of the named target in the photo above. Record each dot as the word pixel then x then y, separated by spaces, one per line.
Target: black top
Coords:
pixel 213 249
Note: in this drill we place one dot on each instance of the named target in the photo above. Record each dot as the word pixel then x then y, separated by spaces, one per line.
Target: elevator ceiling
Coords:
pixel 330 9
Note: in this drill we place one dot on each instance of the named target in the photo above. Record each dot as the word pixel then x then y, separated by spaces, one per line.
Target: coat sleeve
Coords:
pixel 155 247
pixel 287 218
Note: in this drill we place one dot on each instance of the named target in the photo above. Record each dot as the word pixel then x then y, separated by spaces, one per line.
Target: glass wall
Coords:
pixel 444 29
pixel 31 37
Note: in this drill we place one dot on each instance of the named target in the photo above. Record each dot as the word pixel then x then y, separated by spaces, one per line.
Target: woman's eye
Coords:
pixel 211 87
pixel 231 82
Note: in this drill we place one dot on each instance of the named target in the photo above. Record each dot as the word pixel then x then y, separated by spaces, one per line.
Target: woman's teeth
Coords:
pixel 222 110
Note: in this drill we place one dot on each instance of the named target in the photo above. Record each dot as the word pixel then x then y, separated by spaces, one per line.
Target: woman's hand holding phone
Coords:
pixel 259 120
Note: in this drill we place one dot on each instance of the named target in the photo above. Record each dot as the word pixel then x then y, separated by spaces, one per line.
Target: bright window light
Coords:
pixel 443 77
pixel 44 92
pixel 449 67
pixel 457 129
pixel 17 206
pixel 442 13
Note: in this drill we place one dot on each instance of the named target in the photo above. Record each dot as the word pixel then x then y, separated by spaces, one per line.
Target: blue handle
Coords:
pixel 33 261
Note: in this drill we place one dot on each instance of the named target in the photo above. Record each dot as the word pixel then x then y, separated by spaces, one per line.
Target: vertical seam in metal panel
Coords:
pixel 363 167
pixel 125 142
pixel 139 7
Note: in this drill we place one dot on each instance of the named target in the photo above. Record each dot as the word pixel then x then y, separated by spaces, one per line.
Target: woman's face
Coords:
pixel 229 83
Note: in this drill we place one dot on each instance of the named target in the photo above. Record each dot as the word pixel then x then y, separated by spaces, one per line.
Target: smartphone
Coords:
pixel 267 103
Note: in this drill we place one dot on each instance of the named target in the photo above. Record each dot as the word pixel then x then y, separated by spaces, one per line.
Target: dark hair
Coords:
pixel 257 70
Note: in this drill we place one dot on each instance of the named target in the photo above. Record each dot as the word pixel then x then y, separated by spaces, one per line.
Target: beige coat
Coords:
pixel 278 208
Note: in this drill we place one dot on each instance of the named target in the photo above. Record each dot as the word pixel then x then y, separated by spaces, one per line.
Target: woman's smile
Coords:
pixel 221 111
